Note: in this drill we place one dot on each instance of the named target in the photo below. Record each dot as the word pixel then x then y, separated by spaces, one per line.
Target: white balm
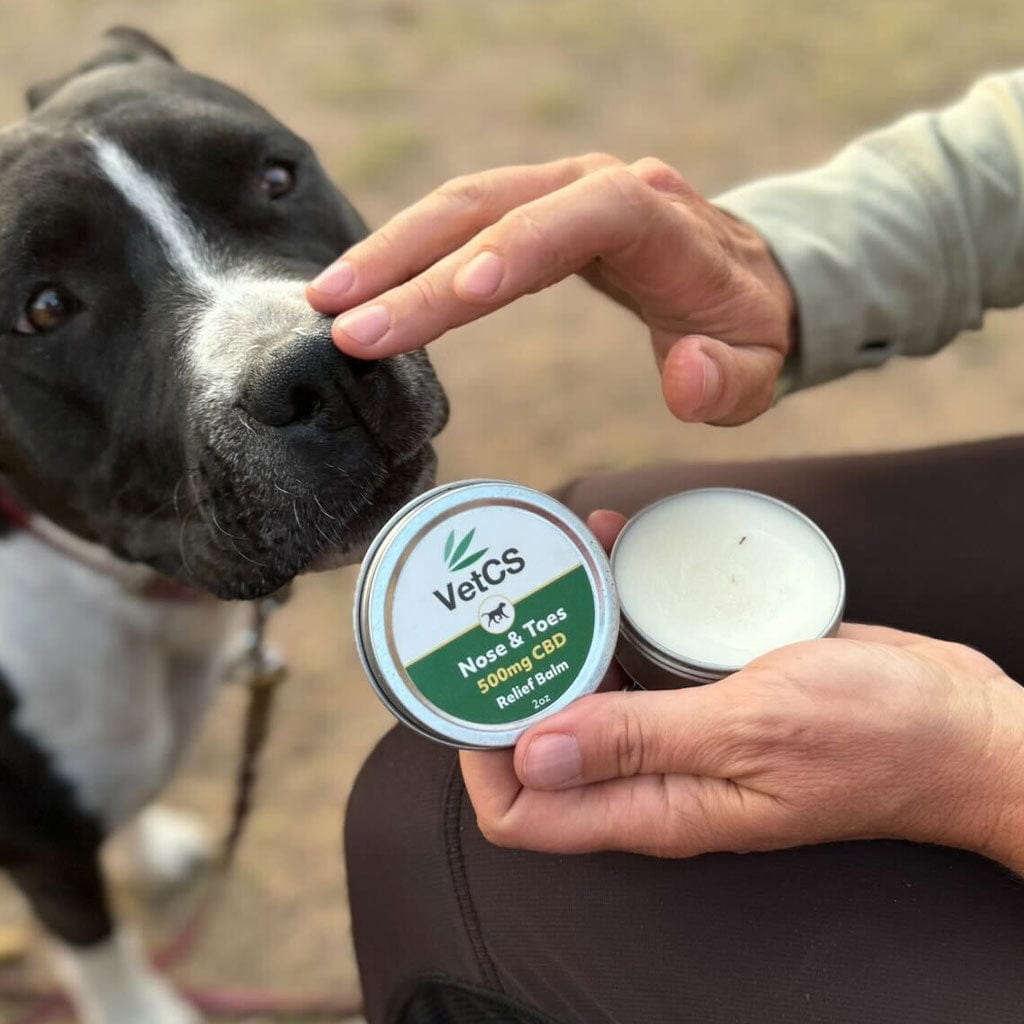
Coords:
pixel 710 579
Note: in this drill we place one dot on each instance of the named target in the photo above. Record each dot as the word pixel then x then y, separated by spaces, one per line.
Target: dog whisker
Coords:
pixel 216 523
pixel 319 505
pixel 181 546
pixel 245 423
pixel 323 533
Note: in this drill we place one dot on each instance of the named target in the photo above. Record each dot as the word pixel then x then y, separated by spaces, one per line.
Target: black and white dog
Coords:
pixel 170 410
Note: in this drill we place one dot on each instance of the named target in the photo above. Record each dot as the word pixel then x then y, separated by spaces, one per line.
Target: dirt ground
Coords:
pixel 398 96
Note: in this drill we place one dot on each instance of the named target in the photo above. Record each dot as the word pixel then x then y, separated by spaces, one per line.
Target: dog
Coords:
pixel 497 614
pixel 178 436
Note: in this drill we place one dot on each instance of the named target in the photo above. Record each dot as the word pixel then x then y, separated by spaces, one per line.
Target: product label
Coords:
pixel 492 615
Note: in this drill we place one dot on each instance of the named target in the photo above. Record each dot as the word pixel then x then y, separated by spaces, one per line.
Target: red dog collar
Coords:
pixel 12 513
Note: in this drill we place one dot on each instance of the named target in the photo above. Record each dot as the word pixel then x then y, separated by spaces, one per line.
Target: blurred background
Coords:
pixel 399 95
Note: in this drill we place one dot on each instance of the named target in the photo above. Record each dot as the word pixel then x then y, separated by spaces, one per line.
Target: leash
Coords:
pixel 266 672
pixel 242 1004
pixel 263 673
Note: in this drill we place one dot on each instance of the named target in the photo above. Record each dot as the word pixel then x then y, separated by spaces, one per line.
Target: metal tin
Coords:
pixel 482 607
pixel 653 664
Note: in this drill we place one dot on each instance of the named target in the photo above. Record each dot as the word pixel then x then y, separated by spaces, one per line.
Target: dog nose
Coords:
pixel 302 382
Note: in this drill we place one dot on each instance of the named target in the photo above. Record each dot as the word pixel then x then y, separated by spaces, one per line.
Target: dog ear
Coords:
pixel 121 45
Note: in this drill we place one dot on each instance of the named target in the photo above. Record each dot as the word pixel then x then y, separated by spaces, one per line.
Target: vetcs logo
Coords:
pixel 488 573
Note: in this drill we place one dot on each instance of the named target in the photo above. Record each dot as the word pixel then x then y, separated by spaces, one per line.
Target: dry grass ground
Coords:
pixel 399 95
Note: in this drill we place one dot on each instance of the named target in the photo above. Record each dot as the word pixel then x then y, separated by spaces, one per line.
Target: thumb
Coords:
pixel 619 735
pixel 709 381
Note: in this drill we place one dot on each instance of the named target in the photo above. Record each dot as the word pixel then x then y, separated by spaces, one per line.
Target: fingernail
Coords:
pixel 335 280
pixel 712 384
pixel 552 761
pixel 367 325
pixel 480 277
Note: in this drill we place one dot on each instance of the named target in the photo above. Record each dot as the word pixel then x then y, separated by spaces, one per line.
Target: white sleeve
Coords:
pixel 906 237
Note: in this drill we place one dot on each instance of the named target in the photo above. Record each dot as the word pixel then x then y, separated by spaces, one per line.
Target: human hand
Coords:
pixel 876 733
pixel 719 310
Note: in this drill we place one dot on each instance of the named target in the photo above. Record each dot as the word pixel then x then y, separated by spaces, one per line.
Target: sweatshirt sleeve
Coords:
pixel 906 237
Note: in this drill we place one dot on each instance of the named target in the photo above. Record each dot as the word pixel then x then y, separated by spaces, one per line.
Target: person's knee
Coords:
pixel 397 793
pixel 402 846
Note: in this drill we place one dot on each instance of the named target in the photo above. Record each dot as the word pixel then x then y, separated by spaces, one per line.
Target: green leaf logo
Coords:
pixel 455 554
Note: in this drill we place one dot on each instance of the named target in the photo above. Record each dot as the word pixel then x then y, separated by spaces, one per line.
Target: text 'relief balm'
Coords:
pixel 482 607
pixel 710 579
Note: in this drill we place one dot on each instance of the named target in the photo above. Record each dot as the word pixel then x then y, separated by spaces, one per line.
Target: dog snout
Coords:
pixel 302 382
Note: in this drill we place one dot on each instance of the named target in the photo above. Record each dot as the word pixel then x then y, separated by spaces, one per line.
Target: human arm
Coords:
pixel 877 733
pixel 893 247
pixel 906 237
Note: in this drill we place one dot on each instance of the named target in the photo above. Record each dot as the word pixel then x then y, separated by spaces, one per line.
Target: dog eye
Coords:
pixel 50 306
pixel 278 180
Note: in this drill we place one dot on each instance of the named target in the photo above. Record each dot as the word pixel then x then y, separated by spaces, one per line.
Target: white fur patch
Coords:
pixel 110 685
pixel 112 983
pixel 161 849
pixel 246 316
pixel 155 201
pixel 241 310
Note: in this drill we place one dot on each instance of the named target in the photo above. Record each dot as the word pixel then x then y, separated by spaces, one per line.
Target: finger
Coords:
pixel 707 381
pixel 878 635
pixel 490 779
pixel 620 735
pixel 529 248
pixel 438 224
pixel 674 816
pixel 606 526
pixel 857 632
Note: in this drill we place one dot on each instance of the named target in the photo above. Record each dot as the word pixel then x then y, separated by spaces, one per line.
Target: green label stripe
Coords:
pixel 537 665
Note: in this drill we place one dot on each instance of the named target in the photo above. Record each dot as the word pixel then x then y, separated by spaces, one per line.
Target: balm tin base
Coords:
pixel 481 608
pixel 710 579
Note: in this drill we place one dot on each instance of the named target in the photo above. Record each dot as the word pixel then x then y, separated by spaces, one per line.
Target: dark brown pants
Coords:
pixel 450 928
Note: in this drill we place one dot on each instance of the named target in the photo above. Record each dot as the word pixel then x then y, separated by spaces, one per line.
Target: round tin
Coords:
pixel 481 607
pixel 753 574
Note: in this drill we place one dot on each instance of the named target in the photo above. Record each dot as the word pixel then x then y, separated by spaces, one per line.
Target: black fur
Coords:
pixel 47 843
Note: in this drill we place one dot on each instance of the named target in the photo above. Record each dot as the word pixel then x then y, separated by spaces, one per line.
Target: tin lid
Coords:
pixel 482 607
